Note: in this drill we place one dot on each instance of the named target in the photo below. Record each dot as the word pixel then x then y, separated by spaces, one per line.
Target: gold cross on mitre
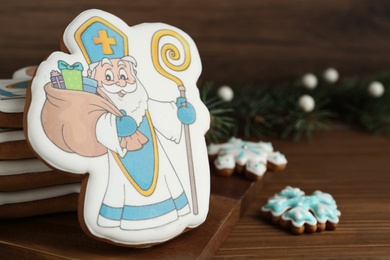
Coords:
pixel 105 41
pixel 97 39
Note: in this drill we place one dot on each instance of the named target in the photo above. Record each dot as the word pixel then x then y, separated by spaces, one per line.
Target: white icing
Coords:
pixel 14 104
pixel 213 149
pixel 225 161
pixel 10 197
pixel 256 167
pixel 297 217
pixel 241 160
pixel 244 151
pixel 266 146
pixel 13 167
pixel 277 158
pixel 22 73
pixel 13 135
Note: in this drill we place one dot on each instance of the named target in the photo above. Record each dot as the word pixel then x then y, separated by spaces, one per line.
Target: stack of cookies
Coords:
pixel 27 186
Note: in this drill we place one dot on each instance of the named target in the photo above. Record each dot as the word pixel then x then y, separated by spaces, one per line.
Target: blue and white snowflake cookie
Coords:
pixel 250 158
pixel 292 209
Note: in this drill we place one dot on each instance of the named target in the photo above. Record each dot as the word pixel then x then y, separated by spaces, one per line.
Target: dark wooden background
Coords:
pixel 239 41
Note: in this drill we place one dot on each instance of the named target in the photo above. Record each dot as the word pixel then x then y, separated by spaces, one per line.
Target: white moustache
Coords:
pixel 114 88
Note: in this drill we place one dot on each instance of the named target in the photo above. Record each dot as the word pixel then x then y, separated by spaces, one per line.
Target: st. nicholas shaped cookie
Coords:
pixel 120 104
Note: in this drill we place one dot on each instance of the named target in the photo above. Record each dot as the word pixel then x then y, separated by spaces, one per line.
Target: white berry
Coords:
pixel 226 93
pixel 306 103
pixel 309 80
pixel 376 89
pixel 331 75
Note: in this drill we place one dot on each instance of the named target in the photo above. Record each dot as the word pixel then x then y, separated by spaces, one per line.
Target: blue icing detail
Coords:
pixel 253 150
pixel 95 50
pixel 125 125
pixel 242 154
pixel 111 212
pixel 7 94
pixel 242 147
pixel 20 85
pixel 148 211
pixel 289 200
pixel 181 201
pixel 89 85
pixel 140 163
pixel 143 212
pixel 16 86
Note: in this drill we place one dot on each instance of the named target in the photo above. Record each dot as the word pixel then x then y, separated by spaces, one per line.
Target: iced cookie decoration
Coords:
pixel 13 97
pixel 123 106
pixel 13 145
pixel 292 209
pixel 39 201
pixel 12 101
pixel 276 161
pixel 25 73
pixel 251 158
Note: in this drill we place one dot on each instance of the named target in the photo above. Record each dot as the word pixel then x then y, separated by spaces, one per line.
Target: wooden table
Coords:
pixel 352 166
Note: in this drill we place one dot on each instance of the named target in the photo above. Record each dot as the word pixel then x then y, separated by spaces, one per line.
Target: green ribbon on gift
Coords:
pixel 62 65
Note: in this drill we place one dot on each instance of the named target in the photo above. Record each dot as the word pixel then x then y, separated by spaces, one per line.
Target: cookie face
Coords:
pixel 123 107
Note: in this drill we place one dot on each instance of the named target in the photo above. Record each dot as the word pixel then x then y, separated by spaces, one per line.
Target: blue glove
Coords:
pixel 125 125
pixel 186 113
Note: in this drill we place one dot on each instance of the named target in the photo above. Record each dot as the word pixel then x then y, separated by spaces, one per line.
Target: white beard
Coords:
pixel 135 103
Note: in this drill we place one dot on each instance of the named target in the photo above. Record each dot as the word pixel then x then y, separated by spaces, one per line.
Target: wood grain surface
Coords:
pixel 59 236
pixel 239 41
pixel 354 168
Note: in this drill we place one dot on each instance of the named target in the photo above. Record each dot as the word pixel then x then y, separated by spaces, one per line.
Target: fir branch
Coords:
pixel 256 111
pixel 222 121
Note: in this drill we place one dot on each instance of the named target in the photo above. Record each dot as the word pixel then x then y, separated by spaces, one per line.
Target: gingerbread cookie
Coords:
pixel 37 179
pixel 291 209
pixel 13 145
pixel 12 97
pixel 25 73
pixel 12 167
pixel 12 101
pixel 250 158
pixel 31 173
pixel 39 201
pixel 123 106
pixel 276 161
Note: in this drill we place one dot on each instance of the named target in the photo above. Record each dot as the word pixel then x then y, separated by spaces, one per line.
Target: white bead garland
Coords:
pixel 309 80
pixel 306 103
pixel 376 89
pixel 225 93
pixel 331 75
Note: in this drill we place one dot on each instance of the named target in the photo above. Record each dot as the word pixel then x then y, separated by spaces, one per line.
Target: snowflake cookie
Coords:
pixel 291 209
pixel 251 158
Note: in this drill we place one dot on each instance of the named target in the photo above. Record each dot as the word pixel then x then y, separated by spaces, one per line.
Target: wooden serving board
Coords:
pixel 58 236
